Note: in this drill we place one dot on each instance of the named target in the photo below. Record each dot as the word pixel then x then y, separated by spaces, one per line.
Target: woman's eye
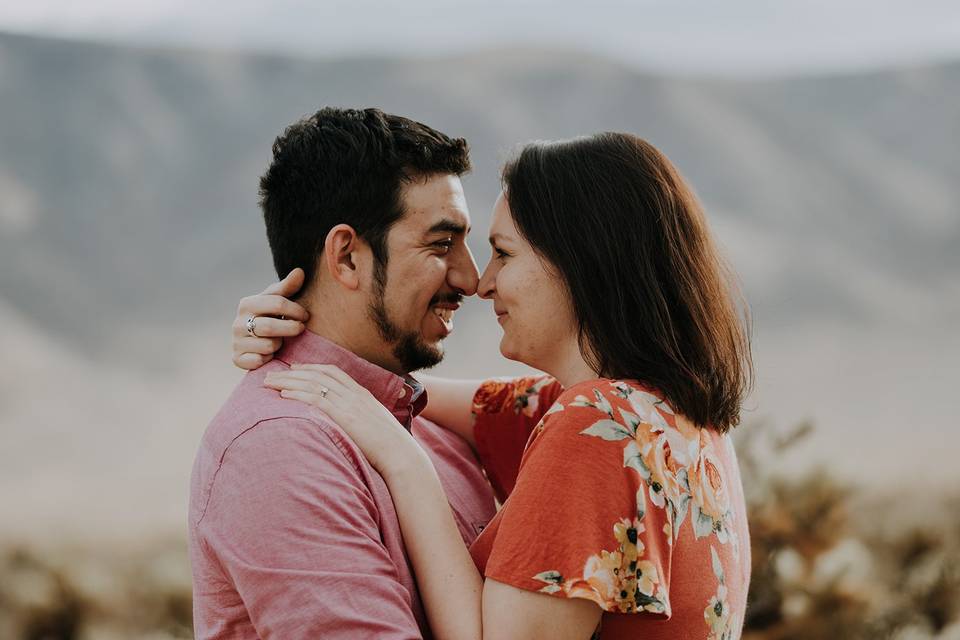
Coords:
pixel 500 253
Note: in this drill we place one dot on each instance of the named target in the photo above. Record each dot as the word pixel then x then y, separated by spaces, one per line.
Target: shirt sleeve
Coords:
pixel 581 521
pixel 505 413
pixel 295 528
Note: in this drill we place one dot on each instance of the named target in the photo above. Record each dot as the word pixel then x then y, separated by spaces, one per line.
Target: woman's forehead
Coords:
pixel 501 223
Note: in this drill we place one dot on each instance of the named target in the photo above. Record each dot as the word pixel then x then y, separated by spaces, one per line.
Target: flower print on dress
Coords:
pixel 711 502
pixel 647 505
pixel 620 580
pixel 671 455
pixel 717 613
pixel 517 395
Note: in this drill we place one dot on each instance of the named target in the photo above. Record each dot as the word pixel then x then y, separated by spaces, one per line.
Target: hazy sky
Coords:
pixel 748 36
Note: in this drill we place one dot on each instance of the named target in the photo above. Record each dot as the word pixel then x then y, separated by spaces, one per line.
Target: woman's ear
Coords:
pixel 342 256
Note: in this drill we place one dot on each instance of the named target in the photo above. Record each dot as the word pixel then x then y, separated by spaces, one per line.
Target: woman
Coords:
pixel 625 504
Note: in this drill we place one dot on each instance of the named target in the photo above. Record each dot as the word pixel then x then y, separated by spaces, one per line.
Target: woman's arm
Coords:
pixel 450 585
pixel 450 404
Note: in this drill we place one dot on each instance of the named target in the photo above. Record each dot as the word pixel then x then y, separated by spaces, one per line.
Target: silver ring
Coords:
pixel 323 392
pixel 252 326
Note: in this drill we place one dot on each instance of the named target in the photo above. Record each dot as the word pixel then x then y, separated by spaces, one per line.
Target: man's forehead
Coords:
pixel 435 200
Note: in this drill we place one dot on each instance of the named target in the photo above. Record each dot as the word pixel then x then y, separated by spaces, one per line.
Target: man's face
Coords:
pixel 429 270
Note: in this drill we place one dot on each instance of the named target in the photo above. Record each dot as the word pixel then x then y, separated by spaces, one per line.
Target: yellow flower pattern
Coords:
pixel 616 580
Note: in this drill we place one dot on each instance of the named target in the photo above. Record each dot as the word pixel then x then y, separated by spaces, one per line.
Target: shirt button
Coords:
pixel 403 391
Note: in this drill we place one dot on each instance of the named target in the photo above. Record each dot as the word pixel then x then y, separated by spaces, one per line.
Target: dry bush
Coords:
pixel 829 562
pixel 96 594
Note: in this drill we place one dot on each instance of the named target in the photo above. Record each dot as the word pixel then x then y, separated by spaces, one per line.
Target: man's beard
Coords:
pixel 408 346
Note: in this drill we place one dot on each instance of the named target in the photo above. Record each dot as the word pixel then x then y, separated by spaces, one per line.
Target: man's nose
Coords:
pixel 463 274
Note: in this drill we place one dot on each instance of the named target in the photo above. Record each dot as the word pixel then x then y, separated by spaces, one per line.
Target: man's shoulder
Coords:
pixel 260 437
pixel 256 418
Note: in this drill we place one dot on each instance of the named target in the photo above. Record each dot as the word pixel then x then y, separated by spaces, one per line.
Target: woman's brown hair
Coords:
pixel 653 299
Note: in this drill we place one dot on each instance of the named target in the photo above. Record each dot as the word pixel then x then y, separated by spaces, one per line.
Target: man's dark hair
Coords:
pixel 347 166
pixel 653 299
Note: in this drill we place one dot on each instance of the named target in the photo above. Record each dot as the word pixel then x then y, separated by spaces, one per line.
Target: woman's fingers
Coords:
pixel 292 384
pixel 251 361
pixel 274 318
pixel 314 399
pixel 253 344
pixel 313 381
pixel 266 327
pixel 270 305
pixel 289 285
pixel 296 384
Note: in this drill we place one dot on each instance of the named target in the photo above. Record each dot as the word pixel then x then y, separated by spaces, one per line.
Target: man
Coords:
pixel 292 533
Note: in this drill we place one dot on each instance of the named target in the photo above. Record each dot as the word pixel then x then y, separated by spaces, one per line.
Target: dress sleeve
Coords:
pixel 581 522
pixel 505 412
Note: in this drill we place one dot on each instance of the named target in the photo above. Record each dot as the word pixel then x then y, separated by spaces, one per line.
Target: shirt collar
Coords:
pixel 404 397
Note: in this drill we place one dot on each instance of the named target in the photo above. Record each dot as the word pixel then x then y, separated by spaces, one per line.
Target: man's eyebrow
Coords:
pixel 449 226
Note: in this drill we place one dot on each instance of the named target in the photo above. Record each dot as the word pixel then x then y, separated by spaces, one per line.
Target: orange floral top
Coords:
pixel 611 496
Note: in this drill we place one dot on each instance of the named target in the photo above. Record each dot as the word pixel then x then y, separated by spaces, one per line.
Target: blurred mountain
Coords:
pixel 129 229
pixel 128 176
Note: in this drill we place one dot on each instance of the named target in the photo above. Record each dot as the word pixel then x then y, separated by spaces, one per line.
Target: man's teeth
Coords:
pixel 444 314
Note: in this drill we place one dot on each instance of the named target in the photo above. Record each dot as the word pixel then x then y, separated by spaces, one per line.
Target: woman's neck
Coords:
pixel 571 367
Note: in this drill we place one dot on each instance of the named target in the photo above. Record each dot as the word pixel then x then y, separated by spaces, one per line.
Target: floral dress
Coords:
pixel 611 496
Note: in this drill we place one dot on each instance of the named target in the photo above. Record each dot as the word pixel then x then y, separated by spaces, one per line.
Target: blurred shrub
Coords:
pixel 829 563
pixel 96 594
pixel 832 563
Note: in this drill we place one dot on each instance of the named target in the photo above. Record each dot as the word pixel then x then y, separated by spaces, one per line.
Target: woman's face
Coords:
pixel 529 298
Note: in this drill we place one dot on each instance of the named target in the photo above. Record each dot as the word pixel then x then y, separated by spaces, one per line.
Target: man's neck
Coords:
pixel 352 330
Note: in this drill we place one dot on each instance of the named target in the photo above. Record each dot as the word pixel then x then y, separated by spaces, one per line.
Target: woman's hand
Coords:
pixel 386 444
pixel 274 318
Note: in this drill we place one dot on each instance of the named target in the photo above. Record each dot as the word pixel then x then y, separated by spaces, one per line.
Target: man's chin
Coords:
pixel 415 353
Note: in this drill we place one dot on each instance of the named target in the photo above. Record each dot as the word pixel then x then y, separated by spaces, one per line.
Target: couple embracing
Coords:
pixel 335 495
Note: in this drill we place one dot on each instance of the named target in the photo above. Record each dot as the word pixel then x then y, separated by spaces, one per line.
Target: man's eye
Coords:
pixel 444 245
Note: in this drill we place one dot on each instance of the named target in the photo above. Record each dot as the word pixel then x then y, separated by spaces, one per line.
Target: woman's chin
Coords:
pixel 509 353
pixel 505 350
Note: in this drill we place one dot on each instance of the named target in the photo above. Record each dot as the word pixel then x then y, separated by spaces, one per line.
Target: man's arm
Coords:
pixel 295 528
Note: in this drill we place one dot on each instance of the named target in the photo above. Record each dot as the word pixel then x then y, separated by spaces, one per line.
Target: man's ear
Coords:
pixel 343 256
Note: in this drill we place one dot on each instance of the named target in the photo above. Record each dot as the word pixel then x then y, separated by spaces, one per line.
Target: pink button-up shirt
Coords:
pixel 292 533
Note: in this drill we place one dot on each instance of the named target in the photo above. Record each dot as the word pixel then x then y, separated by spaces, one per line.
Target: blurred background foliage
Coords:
pixel 828 563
